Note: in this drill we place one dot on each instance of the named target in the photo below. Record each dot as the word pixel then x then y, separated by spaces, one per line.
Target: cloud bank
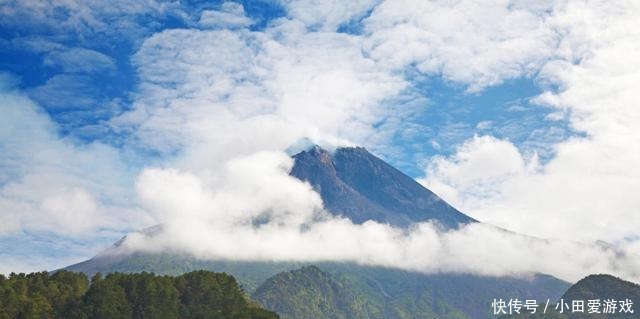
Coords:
pixel 253 210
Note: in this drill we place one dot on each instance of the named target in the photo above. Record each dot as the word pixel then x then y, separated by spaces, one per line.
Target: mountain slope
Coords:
pixel 354 183
pixel 309 292
pixel 249 274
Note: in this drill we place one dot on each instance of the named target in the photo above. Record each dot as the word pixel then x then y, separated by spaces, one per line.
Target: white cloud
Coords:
pixel 588 190
pixel 49 184
pixel 476 169
pixel 213 203
pixel 476 44
pixel 253 210
pixel 217 94
pixel 74 210
pixel 64 92
pixel 80 60
pixel 85 20
pixel 484 125
pixel 586 186
pixel 229 15
pixel 25 264
pixel 327 15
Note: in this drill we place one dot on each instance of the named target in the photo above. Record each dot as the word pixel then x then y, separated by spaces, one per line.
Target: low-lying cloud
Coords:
pixel 253 210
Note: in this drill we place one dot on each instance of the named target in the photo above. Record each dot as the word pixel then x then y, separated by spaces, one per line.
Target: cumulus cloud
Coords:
pixel 476 167
pixel 227 93
pixel 49 183
pixel 477 44
pixel 588 189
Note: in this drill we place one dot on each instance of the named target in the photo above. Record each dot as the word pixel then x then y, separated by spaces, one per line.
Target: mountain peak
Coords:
pixel 355 183
pixel 321 154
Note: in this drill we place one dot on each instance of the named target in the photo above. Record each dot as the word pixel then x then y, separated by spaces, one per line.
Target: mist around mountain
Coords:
pixel 249 274
pixel 355 184
pixel 351 182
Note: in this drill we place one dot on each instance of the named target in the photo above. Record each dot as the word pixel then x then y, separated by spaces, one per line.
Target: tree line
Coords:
pixel 69 295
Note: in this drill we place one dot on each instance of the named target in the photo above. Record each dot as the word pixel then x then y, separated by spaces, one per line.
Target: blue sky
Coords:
pixel 481 104
pixel 66 76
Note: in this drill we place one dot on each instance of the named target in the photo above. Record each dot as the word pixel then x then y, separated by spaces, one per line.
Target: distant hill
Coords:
pixel 309 292
pixel 593 287
pixel 604 287
pixel 349 291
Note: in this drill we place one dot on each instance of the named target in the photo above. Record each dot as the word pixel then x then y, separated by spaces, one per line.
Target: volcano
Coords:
pixel 360 186
pixel 355 184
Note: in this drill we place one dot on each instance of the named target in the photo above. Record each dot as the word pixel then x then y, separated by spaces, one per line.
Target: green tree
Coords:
pixel 107 300
pixel 65 291
pixel 205 294
pixel 150 296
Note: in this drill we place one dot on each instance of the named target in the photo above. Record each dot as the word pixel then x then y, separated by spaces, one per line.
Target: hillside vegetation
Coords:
pixel 594 287
pixel 367 292
pixel 197 295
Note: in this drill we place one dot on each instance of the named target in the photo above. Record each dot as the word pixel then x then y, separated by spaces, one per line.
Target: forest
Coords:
pixel 64 294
